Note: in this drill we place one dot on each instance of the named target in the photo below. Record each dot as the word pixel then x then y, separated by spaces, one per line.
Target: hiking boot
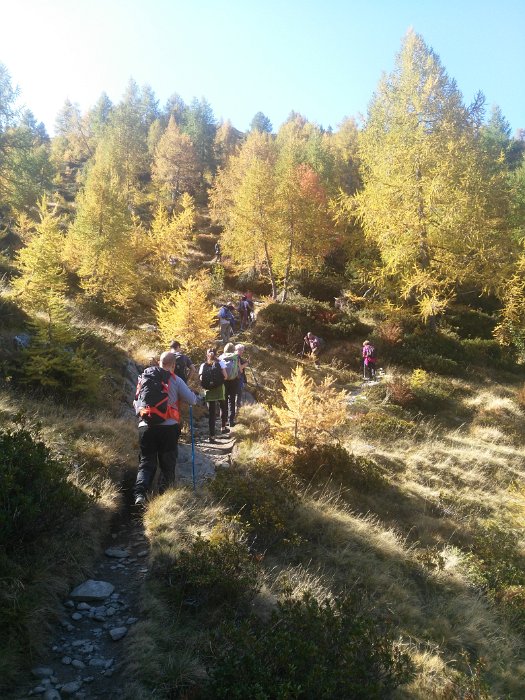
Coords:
pixel 212 439
pixel 224 429
pixel 140 500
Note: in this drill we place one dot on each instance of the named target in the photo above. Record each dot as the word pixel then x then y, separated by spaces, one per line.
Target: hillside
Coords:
pixel 405 518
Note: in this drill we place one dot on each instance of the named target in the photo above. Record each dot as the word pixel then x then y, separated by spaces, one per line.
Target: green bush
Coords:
pixel 35 494
pixel 263 498
pixel 471 323
pixel 378 425
pixel 215 571
pixel 307 650
pixel 302 314
pixel 320 462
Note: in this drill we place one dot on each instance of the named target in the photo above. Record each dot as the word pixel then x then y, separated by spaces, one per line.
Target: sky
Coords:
pixel 322 58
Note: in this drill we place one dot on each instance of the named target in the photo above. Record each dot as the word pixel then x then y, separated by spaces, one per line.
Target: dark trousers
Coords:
pixel 158 445
pixel 212 415
pixel 232 389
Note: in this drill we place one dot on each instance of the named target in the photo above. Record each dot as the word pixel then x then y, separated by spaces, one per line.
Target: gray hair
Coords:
pixel 167 360
pixel 240 347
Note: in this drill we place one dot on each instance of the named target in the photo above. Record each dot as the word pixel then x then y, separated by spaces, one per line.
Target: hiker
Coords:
pixel 369 360
pixel 244 311
pixel 159 424
pixel 251 307
pixel 212 374
pixel 184 367
pixel 218 253
pixel 313 343
pixel 231 384
pixel 243 363
pixel 226 322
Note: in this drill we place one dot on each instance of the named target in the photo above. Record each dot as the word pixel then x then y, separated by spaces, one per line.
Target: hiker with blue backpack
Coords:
pixel 226 322
pixel 369 360
pixel 212 374
pixel 231 384
pixel 159 392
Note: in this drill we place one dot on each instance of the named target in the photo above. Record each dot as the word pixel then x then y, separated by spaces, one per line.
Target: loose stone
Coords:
pixel 71 688
pixel 52 694
pixel 117 633
pixel 77 663
pixel 76 616
pixel 42 672
pixel 92 590
pixel 66 660
pixel 117 553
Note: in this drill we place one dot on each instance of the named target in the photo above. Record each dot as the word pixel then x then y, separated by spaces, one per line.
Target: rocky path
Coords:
pixel 87 656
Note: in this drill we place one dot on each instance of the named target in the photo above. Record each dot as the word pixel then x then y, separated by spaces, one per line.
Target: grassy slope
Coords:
pixel 448 477
pixel 415 541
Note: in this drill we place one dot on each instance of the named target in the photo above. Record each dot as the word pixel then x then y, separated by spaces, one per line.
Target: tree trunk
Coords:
pixel 270 271
pixel 288 265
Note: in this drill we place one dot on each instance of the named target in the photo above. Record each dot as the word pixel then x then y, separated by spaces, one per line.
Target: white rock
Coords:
pixel 91 590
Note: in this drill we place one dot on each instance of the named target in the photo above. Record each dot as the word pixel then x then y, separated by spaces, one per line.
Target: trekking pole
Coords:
pixel 192 449
pixel 304 346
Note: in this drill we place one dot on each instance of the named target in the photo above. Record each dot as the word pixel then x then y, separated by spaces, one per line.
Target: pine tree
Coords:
pixel 175 166
pixel 310 412
pixel 187 315
pixel 167 244
pixel 40 263
pixel 429 202
pixel 100 246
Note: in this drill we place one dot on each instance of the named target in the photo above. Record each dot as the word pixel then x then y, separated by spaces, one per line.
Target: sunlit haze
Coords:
pixel 320 58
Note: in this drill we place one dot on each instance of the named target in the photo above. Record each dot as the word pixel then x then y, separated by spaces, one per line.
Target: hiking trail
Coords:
pixel 86 655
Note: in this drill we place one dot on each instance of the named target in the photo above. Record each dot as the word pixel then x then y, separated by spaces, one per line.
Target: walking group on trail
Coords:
pixel 163 385
pixel 160 389
pixel 228 324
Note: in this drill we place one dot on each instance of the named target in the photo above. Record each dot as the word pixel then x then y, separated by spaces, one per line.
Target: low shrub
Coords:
pixel 219 571
pixel 307 649
pixel 470 323
pixel 512 598
pixel 280 324
pixel 36 496
pixel 399 392
pixel 431 393
pixel 262 497
pixel 499 559
pixel 320 462
pixel 520 397
pixel 379 425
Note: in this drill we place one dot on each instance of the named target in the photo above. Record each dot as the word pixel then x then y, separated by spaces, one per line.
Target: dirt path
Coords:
pixel 86 656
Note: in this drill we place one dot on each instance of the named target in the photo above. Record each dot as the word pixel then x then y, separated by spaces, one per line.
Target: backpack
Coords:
pixel 212 376
pixel 181 370
pixel 151 399
pixel 231 360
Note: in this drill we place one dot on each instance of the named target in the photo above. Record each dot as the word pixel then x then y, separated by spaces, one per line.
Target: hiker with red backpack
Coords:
pixel 159 392
pixel 369 360
pixel 232 363
pixel 212 374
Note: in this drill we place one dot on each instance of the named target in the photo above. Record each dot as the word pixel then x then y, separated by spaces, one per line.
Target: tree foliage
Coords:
pixel 186 314
pixel 430 204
